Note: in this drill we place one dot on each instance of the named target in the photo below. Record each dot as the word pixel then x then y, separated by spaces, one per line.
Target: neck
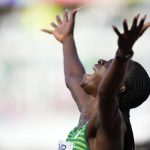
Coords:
pixel 92 103
pixel 88 110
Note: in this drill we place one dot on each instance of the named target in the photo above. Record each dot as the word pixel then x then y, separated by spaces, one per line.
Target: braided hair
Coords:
pixel 137 84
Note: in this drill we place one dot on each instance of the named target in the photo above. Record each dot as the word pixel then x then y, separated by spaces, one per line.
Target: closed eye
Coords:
pixel 110 61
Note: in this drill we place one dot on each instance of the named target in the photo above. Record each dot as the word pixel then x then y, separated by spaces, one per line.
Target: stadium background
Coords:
pixel 36 109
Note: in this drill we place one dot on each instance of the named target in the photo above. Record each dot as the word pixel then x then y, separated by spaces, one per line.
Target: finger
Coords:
pixel 79 8
pixel 54 25
pixel 73 14
pixel 142 23
pixel 47 31
pixel 117 31
pixel 146 26
pixel 135 20
pixel 141 33
pixel 59 21
pixel 65 16
pixel 125 26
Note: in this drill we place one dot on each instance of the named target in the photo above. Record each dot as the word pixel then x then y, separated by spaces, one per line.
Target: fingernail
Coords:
pixel 125 20
pixel 79 8
pixel 138 15
pixel 113 26
pixel 145 16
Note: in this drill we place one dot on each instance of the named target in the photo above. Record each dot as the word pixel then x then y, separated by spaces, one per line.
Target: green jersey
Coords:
pixel 78 138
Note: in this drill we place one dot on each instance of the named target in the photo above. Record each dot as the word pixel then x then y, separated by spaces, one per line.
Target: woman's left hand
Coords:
pixel 127 39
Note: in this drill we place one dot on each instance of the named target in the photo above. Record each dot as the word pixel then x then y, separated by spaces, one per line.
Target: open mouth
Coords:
pixel 95 69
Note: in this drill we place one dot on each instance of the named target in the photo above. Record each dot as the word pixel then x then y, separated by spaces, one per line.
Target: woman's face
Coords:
pixel 91 82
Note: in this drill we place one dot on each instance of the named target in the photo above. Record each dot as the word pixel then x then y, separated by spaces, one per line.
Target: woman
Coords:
pixel 105 97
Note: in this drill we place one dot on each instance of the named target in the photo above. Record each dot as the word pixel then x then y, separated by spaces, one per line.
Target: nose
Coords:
pixel 101 61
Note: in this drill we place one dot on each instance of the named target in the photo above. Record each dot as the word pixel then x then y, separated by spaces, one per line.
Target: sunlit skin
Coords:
pixel 91 82
pixel 96 94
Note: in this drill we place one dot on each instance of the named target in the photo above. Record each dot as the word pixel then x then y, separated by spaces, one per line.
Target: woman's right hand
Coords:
pixel 64 28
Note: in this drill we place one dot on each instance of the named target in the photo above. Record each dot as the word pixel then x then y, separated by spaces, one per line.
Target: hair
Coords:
pixel 137 84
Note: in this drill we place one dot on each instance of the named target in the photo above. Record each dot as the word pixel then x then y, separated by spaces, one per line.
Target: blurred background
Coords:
pixel 36 108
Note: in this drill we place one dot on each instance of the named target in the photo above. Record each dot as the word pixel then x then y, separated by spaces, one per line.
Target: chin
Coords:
pixel 86 87
pixel 89 83
pixel 82 84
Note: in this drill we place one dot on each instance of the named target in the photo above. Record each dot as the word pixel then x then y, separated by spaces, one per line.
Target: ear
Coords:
pixel 122 88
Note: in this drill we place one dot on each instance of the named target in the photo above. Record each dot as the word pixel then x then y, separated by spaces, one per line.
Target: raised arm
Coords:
pixel 116 72
pixel 73 67
pixel 111 118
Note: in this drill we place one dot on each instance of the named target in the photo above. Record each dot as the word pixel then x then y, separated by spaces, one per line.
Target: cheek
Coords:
pixel 97 82
pixel 102 73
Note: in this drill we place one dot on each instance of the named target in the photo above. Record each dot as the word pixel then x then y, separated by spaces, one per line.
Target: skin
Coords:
pixel 96 94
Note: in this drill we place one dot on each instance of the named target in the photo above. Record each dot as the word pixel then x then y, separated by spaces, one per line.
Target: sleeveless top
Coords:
pixel 76 140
